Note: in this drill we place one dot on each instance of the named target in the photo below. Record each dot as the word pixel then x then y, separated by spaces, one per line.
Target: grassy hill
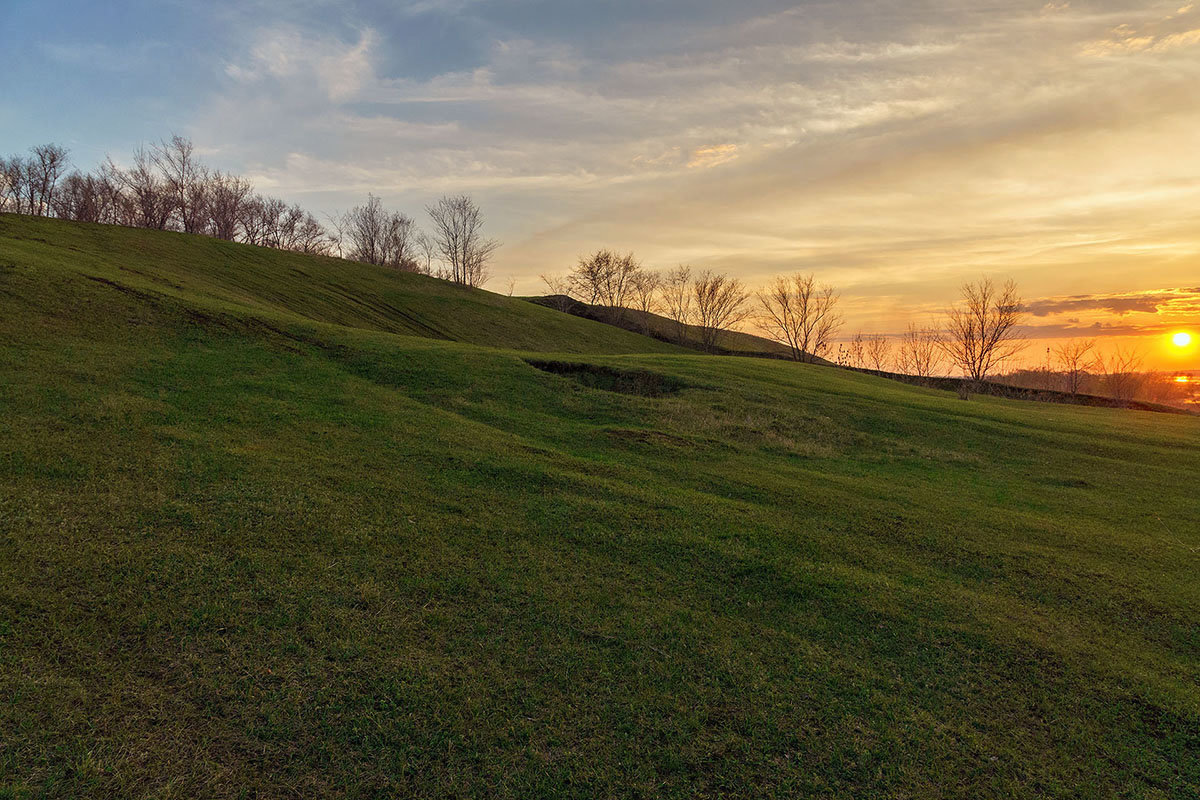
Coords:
pixel 256 540
pixel 667 330
pixel 228 279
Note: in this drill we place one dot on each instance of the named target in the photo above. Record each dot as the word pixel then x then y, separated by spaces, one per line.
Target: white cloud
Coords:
pixel 286 55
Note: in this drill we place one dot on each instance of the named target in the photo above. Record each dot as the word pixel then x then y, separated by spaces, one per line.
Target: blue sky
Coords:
pixel 894 148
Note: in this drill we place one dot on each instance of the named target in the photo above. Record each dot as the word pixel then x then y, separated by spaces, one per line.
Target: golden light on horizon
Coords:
pixel 1182 339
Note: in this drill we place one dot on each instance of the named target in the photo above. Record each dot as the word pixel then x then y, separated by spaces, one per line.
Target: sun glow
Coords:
pixel 1182 339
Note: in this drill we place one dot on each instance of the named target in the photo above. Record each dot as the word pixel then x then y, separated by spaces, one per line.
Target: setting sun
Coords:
pixel 1182 339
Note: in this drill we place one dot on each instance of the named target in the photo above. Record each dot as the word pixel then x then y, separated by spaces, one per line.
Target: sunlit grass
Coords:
pixel 255 543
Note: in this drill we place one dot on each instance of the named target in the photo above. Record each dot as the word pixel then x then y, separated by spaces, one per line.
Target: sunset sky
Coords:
pixel 894 148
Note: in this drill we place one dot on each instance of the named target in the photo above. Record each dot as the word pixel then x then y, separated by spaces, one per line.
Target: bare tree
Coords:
pixel 119 202
pixel 720 305
pixel 1074 357
pixel 1121 373
pixel 150 198
pixel 795 311
pixel 376 235
pixel 336 232
pixel 278 222
pixel 185 180
pixel 643 290
pixel 365 230
pixel 310 236
pixel 983 332
pixel 400 249
pixel 605 278
pixel 226 200
pixel 24 181
pixel 252 220
pixel 677 299
pixel 82 198
pixel 11 173
pixel 43 170
pixel 616 287
pixel 586 278
pixel 426 252
pixel 920 352
pixel 879 352
pixel 458 235
pixel 196 204
pixel 558 292
pixel 29 185
pixel 856 351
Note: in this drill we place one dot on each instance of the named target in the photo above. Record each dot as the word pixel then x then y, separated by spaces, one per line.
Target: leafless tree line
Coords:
pixel 1083 368
pixel 164 187
pixel 1077 366
pixel 167 187
pixel 919 351
pixel 866 351
pixel 702 304
pixel 978 335
pixel 375 235
pixel 990 339
pixel 29 185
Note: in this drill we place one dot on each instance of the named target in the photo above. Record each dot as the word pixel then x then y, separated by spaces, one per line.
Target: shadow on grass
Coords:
pixel 642 383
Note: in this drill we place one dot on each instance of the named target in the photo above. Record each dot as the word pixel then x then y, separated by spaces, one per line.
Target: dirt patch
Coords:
pixel 640 382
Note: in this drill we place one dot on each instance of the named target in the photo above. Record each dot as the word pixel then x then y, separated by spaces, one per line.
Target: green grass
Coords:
pixel 256 542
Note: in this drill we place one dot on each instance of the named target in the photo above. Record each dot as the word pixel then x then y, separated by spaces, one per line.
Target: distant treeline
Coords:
pixel 1128 385
pixel 167 187
pixel 1074 368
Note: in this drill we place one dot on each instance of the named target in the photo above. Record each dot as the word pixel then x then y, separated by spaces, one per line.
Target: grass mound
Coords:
pixel 257 541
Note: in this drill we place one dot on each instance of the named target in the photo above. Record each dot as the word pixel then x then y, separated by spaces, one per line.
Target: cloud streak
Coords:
pixel 1170 301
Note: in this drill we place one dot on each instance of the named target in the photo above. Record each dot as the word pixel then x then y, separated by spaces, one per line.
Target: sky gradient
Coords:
pixel 895 149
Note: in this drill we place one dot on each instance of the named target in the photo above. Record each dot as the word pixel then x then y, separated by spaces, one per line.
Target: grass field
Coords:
pixel 273 526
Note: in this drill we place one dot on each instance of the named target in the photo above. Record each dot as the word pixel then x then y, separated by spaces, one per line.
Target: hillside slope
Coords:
pixel 224 277
pixel 667 330
pixel 244 553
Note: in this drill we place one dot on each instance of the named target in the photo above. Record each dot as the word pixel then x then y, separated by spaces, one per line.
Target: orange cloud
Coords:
pixel 707 157
pixel 1147 302
pixel 1126 39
